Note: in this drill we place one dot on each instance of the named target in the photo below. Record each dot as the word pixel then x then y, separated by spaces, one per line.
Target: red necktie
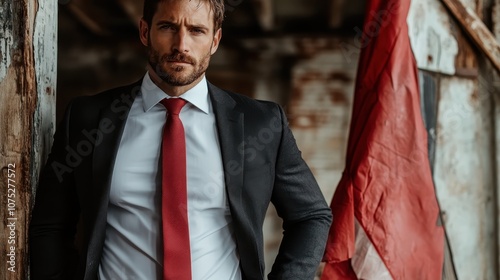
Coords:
pixel 176 248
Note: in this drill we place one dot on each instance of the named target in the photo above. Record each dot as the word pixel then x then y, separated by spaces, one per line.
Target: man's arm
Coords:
pixel 55 214
pixel 305 213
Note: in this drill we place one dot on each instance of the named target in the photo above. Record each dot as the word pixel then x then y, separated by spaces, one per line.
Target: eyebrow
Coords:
pixel 162 22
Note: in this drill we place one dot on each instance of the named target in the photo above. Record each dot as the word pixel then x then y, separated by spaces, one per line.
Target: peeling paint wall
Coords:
pixel 464 164
pixel 6 35
pixel 45 46
pixel 27 104
pixel 433 44
pixel 495 92
pixel 496 100
pixel 463 177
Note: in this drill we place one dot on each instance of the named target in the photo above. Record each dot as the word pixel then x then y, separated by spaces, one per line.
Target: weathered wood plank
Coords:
pixel 476 29
pixel 27 83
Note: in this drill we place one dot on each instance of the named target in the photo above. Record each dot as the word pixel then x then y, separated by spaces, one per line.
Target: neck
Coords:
pixel 170 89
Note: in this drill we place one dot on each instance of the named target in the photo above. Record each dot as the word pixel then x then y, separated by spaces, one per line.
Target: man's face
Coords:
pixel 180 40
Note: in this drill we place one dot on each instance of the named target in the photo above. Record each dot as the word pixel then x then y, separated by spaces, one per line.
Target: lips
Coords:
pixel 179 59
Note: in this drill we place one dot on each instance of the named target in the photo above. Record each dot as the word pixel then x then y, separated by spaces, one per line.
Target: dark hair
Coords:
pixel 217 7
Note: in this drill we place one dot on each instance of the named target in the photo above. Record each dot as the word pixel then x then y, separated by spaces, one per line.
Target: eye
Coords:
pixel 198 31
pixel 167 27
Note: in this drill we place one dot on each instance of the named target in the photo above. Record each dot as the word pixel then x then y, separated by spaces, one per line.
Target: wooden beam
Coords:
pixel 265 13
pixel 27 112
pixel 335 16
pixel 476 29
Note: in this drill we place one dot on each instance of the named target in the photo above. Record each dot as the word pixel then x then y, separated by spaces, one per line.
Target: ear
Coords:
pixel 216 40
pixel 144 32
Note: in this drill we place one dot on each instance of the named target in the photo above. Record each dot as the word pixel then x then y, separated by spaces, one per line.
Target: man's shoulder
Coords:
pixel 244 102
pixel 117 95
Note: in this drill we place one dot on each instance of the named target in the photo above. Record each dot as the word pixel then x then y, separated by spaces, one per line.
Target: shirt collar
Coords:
pixel 152 94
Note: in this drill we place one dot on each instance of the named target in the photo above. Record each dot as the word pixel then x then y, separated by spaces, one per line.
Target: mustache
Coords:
pixel 178 57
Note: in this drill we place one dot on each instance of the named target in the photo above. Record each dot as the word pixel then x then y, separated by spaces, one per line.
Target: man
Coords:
pixel 175 193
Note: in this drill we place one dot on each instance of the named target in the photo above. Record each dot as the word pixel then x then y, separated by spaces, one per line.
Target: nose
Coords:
pixel 180 41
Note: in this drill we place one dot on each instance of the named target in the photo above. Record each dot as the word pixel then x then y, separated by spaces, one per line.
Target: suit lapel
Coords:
pixel 104 153
pixel 230 127
pixel 229 121
pixel 103 160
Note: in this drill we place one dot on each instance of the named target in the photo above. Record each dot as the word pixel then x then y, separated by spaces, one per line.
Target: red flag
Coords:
pixel 387 185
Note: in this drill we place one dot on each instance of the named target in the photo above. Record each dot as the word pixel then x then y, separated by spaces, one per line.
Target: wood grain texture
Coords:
pixel 476 30
pixel 27 77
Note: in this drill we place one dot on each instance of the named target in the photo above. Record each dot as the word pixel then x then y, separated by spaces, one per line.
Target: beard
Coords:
pixel 178 75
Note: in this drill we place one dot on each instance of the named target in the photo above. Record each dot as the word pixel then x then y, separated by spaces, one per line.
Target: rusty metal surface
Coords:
pixel 496 123
pixel 438 42
pixel 45 63
pixel 434 46
pixel 495 16
pixel 476 31
pixel 429 90
pixel 428 100
pixel 463 177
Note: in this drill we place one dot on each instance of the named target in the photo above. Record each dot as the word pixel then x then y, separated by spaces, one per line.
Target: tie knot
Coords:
pixel 173 105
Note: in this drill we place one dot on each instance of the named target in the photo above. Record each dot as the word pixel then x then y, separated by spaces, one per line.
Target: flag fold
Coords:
pixel 387 184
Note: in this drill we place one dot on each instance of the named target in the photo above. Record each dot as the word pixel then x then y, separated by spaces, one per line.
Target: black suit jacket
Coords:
pixel 261 162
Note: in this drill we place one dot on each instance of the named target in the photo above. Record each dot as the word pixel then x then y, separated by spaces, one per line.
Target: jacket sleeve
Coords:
pixel 305 213
pixel 55 213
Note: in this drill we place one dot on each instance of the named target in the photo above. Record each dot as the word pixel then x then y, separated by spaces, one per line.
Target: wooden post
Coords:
pixel 28 48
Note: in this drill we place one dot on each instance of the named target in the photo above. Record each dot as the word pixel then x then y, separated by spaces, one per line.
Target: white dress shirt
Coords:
pixel 133 242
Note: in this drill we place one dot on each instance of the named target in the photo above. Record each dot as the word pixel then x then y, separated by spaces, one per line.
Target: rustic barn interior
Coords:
pixel 303 55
